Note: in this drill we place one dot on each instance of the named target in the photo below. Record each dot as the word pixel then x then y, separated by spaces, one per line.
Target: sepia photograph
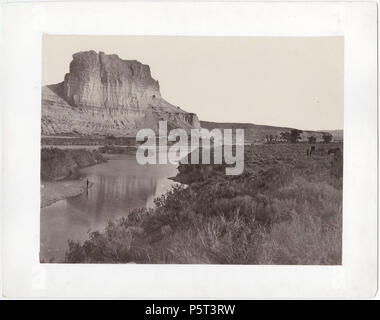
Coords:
pixel 192 150
pixel 189 150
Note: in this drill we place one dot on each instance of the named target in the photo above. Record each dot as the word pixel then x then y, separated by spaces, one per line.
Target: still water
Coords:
pixel 118 185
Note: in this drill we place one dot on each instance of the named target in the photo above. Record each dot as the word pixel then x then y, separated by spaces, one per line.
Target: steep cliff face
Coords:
pixel 103 94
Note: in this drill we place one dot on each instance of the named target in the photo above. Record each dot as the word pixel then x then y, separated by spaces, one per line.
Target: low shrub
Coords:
pixel 286 212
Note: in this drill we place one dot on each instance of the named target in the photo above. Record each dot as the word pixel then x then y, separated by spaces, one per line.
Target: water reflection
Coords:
pixel 119 185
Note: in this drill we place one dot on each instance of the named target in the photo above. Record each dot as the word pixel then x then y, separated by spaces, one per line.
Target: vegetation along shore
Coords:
pixel 285 208
pixel 59 172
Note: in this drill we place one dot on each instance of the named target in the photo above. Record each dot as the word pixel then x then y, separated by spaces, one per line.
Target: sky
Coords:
pixel 281 81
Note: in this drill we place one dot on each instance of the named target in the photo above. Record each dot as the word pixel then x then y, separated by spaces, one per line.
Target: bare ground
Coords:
pixel 54 191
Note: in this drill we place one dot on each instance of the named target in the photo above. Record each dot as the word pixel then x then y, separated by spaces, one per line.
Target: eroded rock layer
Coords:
pixel 103 94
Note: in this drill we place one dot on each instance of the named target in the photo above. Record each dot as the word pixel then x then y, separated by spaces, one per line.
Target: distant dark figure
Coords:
pixel 312 150
pixel 334 151
pixel 87 183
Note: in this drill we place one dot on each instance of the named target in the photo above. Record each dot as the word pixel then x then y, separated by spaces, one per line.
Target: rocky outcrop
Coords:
pixel 103 94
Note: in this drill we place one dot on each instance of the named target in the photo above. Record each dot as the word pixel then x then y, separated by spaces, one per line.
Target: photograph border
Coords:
pixel 23 27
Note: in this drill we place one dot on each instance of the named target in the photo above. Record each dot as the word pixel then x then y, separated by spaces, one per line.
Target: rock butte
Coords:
pixel 105 95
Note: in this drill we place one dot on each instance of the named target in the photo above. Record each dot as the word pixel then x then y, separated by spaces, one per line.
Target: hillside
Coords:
pixel 258 133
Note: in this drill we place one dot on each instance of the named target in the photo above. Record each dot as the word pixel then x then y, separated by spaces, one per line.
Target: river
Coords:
pixel 118 185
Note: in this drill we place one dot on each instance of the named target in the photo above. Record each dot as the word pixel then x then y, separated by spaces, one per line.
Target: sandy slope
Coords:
pixel 54 191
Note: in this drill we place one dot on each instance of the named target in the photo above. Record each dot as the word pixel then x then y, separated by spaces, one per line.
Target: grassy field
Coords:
pixel 286 208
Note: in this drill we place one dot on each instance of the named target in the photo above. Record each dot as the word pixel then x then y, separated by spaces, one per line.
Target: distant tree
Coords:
pixel 295 135
pixel 312 139
pixel 285 136
pixel 269 138
pixel 327 137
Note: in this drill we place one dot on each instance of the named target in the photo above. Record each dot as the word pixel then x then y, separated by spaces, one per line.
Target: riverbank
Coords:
pixel 60 164
pixel 285 208
pixel 54 191
pixel 59 172
pixel 119 185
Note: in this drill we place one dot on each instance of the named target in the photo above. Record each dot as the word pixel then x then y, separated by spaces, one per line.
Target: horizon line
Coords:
pixel 270 125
